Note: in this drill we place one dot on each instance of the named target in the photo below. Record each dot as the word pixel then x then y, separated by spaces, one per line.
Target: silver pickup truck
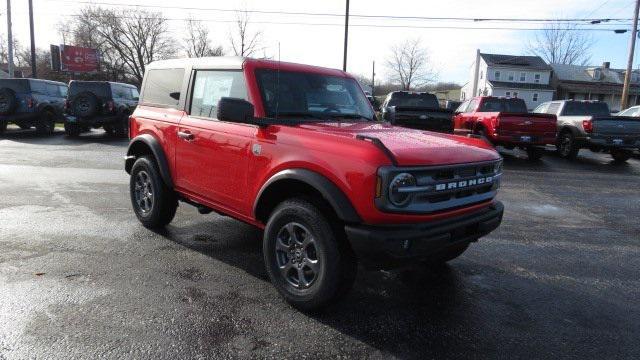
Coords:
pixel 589 124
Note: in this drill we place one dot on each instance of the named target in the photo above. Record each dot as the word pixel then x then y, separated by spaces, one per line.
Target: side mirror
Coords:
pixel 235 110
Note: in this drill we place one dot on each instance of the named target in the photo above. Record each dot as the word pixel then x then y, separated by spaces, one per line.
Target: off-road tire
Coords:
pixel 109 130
pixel 8 101
pixel 46 124
pixel 619 155
pixel 163 201
pixel 121 128
pixel 72 130
pixel 566 145
pixel 85 104
pixel 337 265
pixel 534 154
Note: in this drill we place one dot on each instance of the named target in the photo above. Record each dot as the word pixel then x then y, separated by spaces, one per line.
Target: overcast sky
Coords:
pixel 452 50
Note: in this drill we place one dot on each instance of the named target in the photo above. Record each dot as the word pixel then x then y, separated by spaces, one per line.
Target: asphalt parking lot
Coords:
pixel 80 278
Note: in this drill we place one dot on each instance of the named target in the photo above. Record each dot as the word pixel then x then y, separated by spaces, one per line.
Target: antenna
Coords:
pixel 278 82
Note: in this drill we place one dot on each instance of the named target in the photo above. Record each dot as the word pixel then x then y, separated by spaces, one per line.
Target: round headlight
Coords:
pixel 397 197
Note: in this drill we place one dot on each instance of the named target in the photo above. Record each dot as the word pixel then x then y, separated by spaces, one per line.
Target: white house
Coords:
pixel 513 76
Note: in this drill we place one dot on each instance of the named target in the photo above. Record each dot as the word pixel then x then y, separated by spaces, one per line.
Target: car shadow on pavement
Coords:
pixel 405 299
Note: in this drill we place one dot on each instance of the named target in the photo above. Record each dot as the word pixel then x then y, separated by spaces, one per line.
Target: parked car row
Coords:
pixel 568 124
pixel 81 105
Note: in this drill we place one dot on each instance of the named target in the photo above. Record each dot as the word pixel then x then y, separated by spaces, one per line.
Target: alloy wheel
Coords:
pixel 143 192
pixel 297 256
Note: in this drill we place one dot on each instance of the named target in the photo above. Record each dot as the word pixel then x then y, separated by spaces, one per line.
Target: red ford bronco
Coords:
pixel 295 150
pixel 506 122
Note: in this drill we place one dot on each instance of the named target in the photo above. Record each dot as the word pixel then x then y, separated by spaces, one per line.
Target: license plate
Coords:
pixel 525 138
pixel 617 141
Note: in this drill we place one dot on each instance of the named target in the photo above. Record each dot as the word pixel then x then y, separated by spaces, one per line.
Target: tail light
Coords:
pixel 30 103
pixel 587 125
pixel 496 125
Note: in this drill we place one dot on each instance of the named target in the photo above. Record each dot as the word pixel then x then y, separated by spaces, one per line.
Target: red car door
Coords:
pixel 213 155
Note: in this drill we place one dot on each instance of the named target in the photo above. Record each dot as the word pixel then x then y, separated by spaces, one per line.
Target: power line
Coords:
pixel 391 17
pixel 608 29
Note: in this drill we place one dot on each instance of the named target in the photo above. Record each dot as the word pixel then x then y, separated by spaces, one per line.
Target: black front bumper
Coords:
pixel 385 246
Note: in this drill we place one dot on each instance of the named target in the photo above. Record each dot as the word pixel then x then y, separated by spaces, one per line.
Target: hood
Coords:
pixel 413 147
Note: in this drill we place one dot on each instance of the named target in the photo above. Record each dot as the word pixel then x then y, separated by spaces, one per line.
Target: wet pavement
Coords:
pixel 80 278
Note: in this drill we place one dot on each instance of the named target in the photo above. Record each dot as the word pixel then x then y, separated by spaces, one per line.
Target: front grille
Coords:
pixel 444 187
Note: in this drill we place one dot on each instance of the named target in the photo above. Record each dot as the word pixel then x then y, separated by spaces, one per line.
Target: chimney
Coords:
pixel 476 71
pixel 606 64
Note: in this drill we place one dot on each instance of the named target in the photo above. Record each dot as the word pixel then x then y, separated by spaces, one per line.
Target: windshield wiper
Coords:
pixel 350 116
pixel 304 114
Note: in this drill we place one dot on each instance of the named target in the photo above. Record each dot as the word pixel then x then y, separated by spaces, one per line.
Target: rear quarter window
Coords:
pixel 160 84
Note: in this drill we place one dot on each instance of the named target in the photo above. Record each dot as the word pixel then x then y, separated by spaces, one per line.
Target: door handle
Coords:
pixel 185 135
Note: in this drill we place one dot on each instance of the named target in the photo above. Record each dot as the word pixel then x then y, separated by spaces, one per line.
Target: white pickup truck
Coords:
pixel 589 124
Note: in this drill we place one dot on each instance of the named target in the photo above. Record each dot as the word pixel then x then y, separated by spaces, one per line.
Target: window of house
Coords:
pixel 210 86
pixel 597 74
pixel 497 75
pixel 515 94
pixel 507 94
pixel 511 76
pixel 536 78
pixel 523 77
pixel 635 77
pixel 535 97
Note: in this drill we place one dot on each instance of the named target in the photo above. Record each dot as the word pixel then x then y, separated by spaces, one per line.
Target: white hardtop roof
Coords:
pixel 224 62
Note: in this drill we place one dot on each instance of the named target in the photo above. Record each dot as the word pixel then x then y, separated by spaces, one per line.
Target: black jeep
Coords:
pixel 31 102
pixel 95 104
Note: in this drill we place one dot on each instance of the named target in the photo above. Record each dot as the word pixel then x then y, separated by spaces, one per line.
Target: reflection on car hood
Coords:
pixel 413 147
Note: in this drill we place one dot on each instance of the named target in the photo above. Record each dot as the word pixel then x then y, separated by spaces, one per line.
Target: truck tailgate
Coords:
pixel 440 120
pixel 616 125
pixel 527 123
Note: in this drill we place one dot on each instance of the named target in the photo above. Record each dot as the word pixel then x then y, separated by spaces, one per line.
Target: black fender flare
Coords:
pixel 156 149
pixel 329 191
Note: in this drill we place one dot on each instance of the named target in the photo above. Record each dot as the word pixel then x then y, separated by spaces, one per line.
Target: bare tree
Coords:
pixel 244 42
pixel 128 39
pixel 562 44
pixel 197 42
pixel 409 65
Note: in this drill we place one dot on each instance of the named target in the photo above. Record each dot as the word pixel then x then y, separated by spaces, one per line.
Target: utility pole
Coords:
pixel 373 79
pixel 10 39
pixel 346 37
pixel 632 47
pixel 34 74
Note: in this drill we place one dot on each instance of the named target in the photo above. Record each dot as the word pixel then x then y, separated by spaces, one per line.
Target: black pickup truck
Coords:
pixel 417 110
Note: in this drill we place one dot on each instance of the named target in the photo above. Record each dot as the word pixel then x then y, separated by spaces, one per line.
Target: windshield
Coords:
pixel 503 105
pixel 579 108
pixel 312 95
pixel 414 100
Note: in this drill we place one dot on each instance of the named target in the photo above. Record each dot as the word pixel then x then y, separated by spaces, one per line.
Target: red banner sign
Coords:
pixel 78 59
